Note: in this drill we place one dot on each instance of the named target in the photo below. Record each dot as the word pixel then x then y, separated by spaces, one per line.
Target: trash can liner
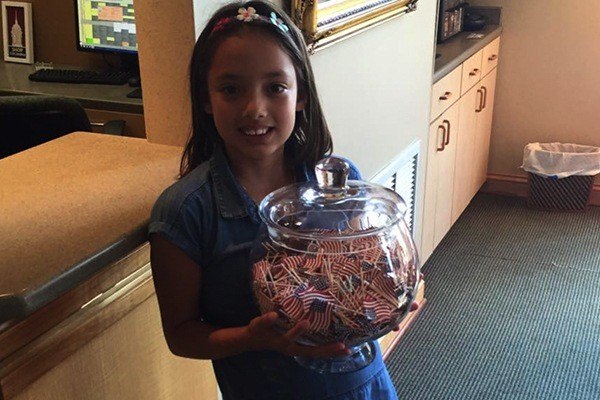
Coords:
pixel 561 160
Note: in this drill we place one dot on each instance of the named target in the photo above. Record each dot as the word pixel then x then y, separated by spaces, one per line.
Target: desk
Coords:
pixel 14 80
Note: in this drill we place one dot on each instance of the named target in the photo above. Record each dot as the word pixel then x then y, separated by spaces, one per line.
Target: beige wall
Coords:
pixel 165 43
pixel 548 77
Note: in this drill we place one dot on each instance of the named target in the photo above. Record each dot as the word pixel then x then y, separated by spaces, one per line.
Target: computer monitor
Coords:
pixel 106 26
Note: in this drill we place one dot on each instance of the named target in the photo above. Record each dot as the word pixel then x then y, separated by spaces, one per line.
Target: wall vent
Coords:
pixel 401 176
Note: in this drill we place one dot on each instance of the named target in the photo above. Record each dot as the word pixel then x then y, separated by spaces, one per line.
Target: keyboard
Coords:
pixel 80 76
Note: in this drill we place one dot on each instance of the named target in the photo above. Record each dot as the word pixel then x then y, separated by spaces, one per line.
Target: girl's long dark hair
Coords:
pixel 311 139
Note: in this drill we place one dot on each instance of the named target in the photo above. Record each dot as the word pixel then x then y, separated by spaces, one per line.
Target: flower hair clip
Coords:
pixel 278 22
pixel 249 15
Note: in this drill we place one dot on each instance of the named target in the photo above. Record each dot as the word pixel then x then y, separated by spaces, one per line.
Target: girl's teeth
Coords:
pixel 256 132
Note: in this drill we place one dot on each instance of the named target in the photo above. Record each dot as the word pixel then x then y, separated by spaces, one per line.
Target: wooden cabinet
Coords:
pixel 459 142
pixel 465 153
pixel 93 346
pixel 490 57
pixel 484 129
pixel 441 155
pixel 445 93
pixel 471 72
pixel 476 112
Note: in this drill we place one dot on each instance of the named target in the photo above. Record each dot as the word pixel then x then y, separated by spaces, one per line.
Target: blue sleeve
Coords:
pixel 180 222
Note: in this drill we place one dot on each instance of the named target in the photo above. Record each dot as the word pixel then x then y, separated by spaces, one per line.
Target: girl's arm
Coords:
pixel 177 282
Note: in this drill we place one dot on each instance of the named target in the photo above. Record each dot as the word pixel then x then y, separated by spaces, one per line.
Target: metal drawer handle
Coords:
pixel 446 96
pixel 493 57
pixel 474 72
pixel 484 89
pixel 443 137
pixel 448 135
pixel 480 106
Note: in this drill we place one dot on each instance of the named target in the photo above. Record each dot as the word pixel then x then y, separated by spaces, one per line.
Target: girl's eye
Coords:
pixel 277 88
pixel 229 90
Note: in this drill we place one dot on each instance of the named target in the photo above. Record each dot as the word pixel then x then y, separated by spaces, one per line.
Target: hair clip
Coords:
pixel 278 22
pixel 248 15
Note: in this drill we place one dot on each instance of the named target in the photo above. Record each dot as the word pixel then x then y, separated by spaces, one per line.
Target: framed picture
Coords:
pixel 324 22
pixel 17 32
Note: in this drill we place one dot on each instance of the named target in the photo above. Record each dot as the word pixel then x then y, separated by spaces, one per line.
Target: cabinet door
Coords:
pixel 445 187
pixel 470 105
pixel 484 129
pixel 437 217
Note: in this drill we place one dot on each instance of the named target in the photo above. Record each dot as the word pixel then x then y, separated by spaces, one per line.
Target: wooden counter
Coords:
pixel 79 318
pixel 69 207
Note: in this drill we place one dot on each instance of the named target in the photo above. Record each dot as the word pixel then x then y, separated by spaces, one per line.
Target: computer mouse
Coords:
pixel 134 81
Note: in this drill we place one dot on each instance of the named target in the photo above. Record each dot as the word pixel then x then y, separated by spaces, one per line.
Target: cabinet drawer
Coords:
pixel 471 72
pixel 445 92
pixel 491 53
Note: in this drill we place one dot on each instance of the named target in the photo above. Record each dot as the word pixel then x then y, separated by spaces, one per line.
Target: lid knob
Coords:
pixel 332 173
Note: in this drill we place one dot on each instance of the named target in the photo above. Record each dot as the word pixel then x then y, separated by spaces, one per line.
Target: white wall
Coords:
pixel 548 78
pixel 375 88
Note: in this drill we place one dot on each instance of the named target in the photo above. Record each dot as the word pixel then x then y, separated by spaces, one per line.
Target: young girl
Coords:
pixel 257 126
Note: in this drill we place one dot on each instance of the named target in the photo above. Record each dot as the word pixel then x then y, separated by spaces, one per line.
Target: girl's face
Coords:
pixel 253 95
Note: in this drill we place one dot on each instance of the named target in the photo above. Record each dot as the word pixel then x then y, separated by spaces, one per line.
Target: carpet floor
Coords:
pixel 513 308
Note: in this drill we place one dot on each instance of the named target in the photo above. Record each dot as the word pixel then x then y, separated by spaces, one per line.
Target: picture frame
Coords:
pixel 324 22
pixel 17 32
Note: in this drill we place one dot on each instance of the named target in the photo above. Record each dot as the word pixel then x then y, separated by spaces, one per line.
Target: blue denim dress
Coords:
pixel 213 220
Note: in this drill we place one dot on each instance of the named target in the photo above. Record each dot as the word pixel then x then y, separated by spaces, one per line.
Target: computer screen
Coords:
pixel 106 26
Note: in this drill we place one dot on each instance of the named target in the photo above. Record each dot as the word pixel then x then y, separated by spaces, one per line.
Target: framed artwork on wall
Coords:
pixel 324 22
pixel 17 32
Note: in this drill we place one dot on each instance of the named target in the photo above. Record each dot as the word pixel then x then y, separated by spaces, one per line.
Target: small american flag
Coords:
pixel 382 312
pixel 293 307
pixel 346 266
pixel 386 284
pixel 332 247
pixel 293 261
pixel 366 266
pixel 265 302
pixel 320 314
pixel 312 263
pixel 319 282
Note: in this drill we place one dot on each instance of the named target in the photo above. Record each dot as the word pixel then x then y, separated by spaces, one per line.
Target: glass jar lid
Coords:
pixel 332 207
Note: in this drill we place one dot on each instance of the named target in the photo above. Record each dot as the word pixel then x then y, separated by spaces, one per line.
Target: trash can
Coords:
pixel 560 175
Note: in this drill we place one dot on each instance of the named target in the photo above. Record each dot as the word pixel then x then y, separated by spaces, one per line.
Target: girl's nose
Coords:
pixel 256 106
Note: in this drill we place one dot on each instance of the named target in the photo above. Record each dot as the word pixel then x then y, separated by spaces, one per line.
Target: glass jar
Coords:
pixel 339 254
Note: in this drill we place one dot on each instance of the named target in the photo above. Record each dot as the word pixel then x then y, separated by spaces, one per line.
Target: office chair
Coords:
pixel 28 121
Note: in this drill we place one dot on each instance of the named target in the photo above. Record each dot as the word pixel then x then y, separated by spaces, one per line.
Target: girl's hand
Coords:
pixel 414 306
pixel 263 335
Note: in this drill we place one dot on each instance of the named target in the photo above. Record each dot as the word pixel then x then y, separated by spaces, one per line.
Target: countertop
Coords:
pixel 14 80
pixel 69 207
pixel 457 49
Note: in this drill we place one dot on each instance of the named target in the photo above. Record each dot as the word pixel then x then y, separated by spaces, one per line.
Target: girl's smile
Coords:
pixel 260 131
